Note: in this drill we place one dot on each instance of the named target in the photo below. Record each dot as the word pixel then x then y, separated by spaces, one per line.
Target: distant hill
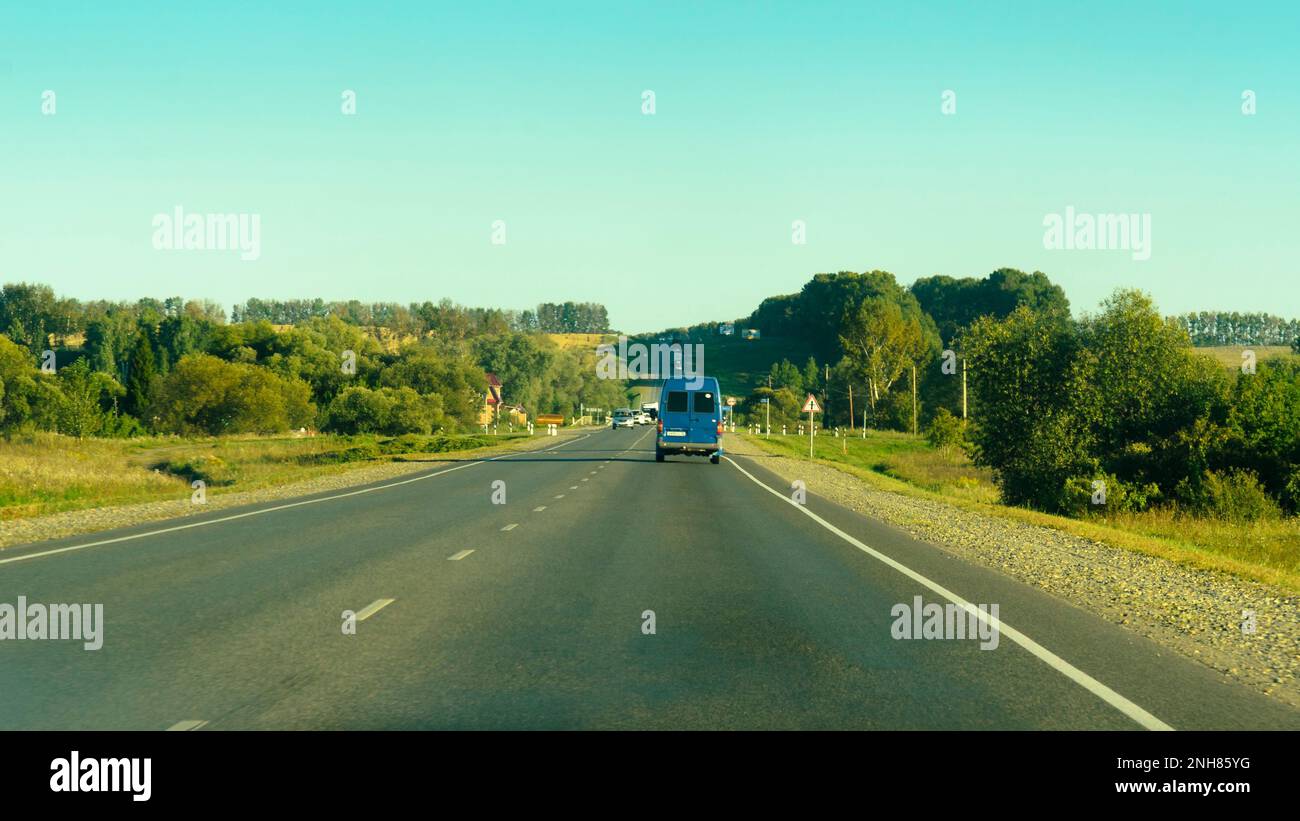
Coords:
pixel 741 365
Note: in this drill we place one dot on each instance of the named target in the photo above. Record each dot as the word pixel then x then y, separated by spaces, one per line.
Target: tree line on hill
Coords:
pixel 176 366
pixel 1208 328
pixel 443 317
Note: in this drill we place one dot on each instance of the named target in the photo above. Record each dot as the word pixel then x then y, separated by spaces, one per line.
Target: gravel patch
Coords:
pixel 1195 612
pixel 94 520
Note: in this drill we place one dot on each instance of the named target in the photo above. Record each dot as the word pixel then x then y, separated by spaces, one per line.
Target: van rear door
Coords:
pixel 675 416
pixel 704 416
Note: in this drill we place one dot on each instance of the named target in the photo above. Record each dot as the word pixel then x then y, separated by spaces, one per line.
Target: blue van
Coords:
pixel 690 418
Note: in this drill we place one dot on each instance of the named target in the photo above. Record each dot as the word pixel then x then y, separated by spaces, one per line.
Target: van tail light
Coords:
pixel 661 426
pixel 719 427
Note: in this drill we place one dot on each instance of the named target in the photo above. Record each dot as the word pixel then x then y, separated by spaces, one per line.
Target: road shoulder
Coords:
pixel 98 519
pixel 1196 613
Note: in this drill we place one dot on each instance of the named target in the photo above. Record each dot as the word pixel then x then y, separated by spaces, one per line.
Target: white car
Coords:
pixel 643 418
pixel 624 418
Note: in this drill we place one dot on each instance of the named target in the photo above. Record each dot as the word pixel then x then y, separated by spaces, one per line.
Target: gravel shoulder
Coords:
pixel 1194 612
pixel 94 520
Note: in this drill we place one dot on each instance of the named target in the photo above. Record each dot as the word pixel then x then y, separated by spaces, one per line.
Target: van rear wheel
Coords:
pixel 659 455
pixel 715 458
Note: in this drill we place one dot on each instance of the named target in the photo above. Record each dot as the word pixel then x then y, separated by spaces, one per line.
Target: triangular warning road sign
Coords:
pixel 811 405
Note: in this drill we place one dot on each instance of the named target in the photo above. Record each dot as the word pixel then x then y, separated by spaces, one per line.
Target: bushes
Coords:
pixel 1122 397
pixel 206 395
pixel 387 410
pixel 946 431
pixel 1234 496
pixel 370 448
pixel 1105 493
pixel 211 469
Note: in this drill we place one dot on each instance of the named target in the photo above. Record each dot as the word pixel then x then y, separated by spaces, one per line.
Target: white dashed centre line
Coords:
pixel 373 608
pixel 188 724
pixel 511 526
pixel 539 508
pixel 457 557
pixel 559 496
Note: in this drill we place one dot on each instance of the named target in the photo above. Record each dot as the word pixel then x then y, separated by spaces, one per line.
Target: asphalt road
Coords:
pixel 767 615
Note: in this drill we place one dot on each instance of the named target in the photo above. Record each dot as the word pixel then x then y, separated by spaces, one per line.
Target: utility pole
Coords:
pixel 826 396
pixel 850 407
pixel 963 388
pixel 913 400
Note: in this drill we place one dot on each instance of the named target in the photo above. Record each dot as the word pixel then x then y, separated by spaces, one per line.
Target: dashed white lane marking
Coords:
pixel 559 495
pixel 573 487
pixel 373 608
pixel 286 506
pixel 1054 661
pixel 187 724
pixel 457 557
pixel 511 526
pixel 585 479
pixel 593 473
pixel 539 508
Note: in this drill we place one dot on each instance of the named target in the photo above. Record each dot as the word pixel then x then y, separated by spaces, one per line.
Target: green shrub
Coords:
pixel 1234 496
pixel 1291 492
pixel 211 469
pixel 946 431
pixel 1082 495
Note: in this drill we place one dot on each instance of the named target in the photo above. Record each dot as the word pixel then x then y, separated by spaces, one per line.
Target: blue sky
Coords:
pixel 765 114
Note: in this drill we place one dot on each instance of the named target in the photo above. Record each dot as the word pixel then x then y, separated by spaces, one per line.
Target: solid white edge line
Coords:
pixel 272 509
pixel 1092 685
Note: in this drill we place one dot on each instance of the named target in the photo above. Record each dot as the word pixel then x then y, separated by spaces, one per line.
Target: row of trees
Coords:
pixel 1120 404
pixel 1214 328
pixel 443 317
pixel 177 367
pixel 32 315
pixel 1118 407
pixel 871 332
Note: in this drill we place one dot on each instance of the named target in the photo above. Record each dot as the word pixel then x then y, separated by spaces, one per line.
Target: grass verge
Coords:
pixel 1266 551
pixel 44 473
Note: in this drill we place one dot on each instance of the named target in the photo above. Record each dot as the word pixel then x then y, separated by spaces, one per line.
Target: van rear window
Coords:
pixel 703 402
pixel 676 402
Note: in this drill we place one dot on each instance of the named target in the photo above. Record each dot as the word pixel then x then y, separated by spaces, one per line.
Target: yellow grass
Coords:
pixel 45 473
pixel 580 341
pixel 1229 356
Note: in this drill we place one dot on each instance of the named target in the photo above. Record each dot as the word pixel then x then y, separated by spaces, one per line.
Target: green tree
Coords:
pixel 86 394
pixel 204 394
pixel 142 378
pixel 1028 430
pixel 880 345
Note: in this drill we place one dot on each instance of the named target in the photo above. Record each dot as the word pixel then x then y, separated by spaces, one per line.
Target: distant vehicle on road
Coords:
pixel 624 418
pixel 643 418
pixel 690 418
pixel 651 408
